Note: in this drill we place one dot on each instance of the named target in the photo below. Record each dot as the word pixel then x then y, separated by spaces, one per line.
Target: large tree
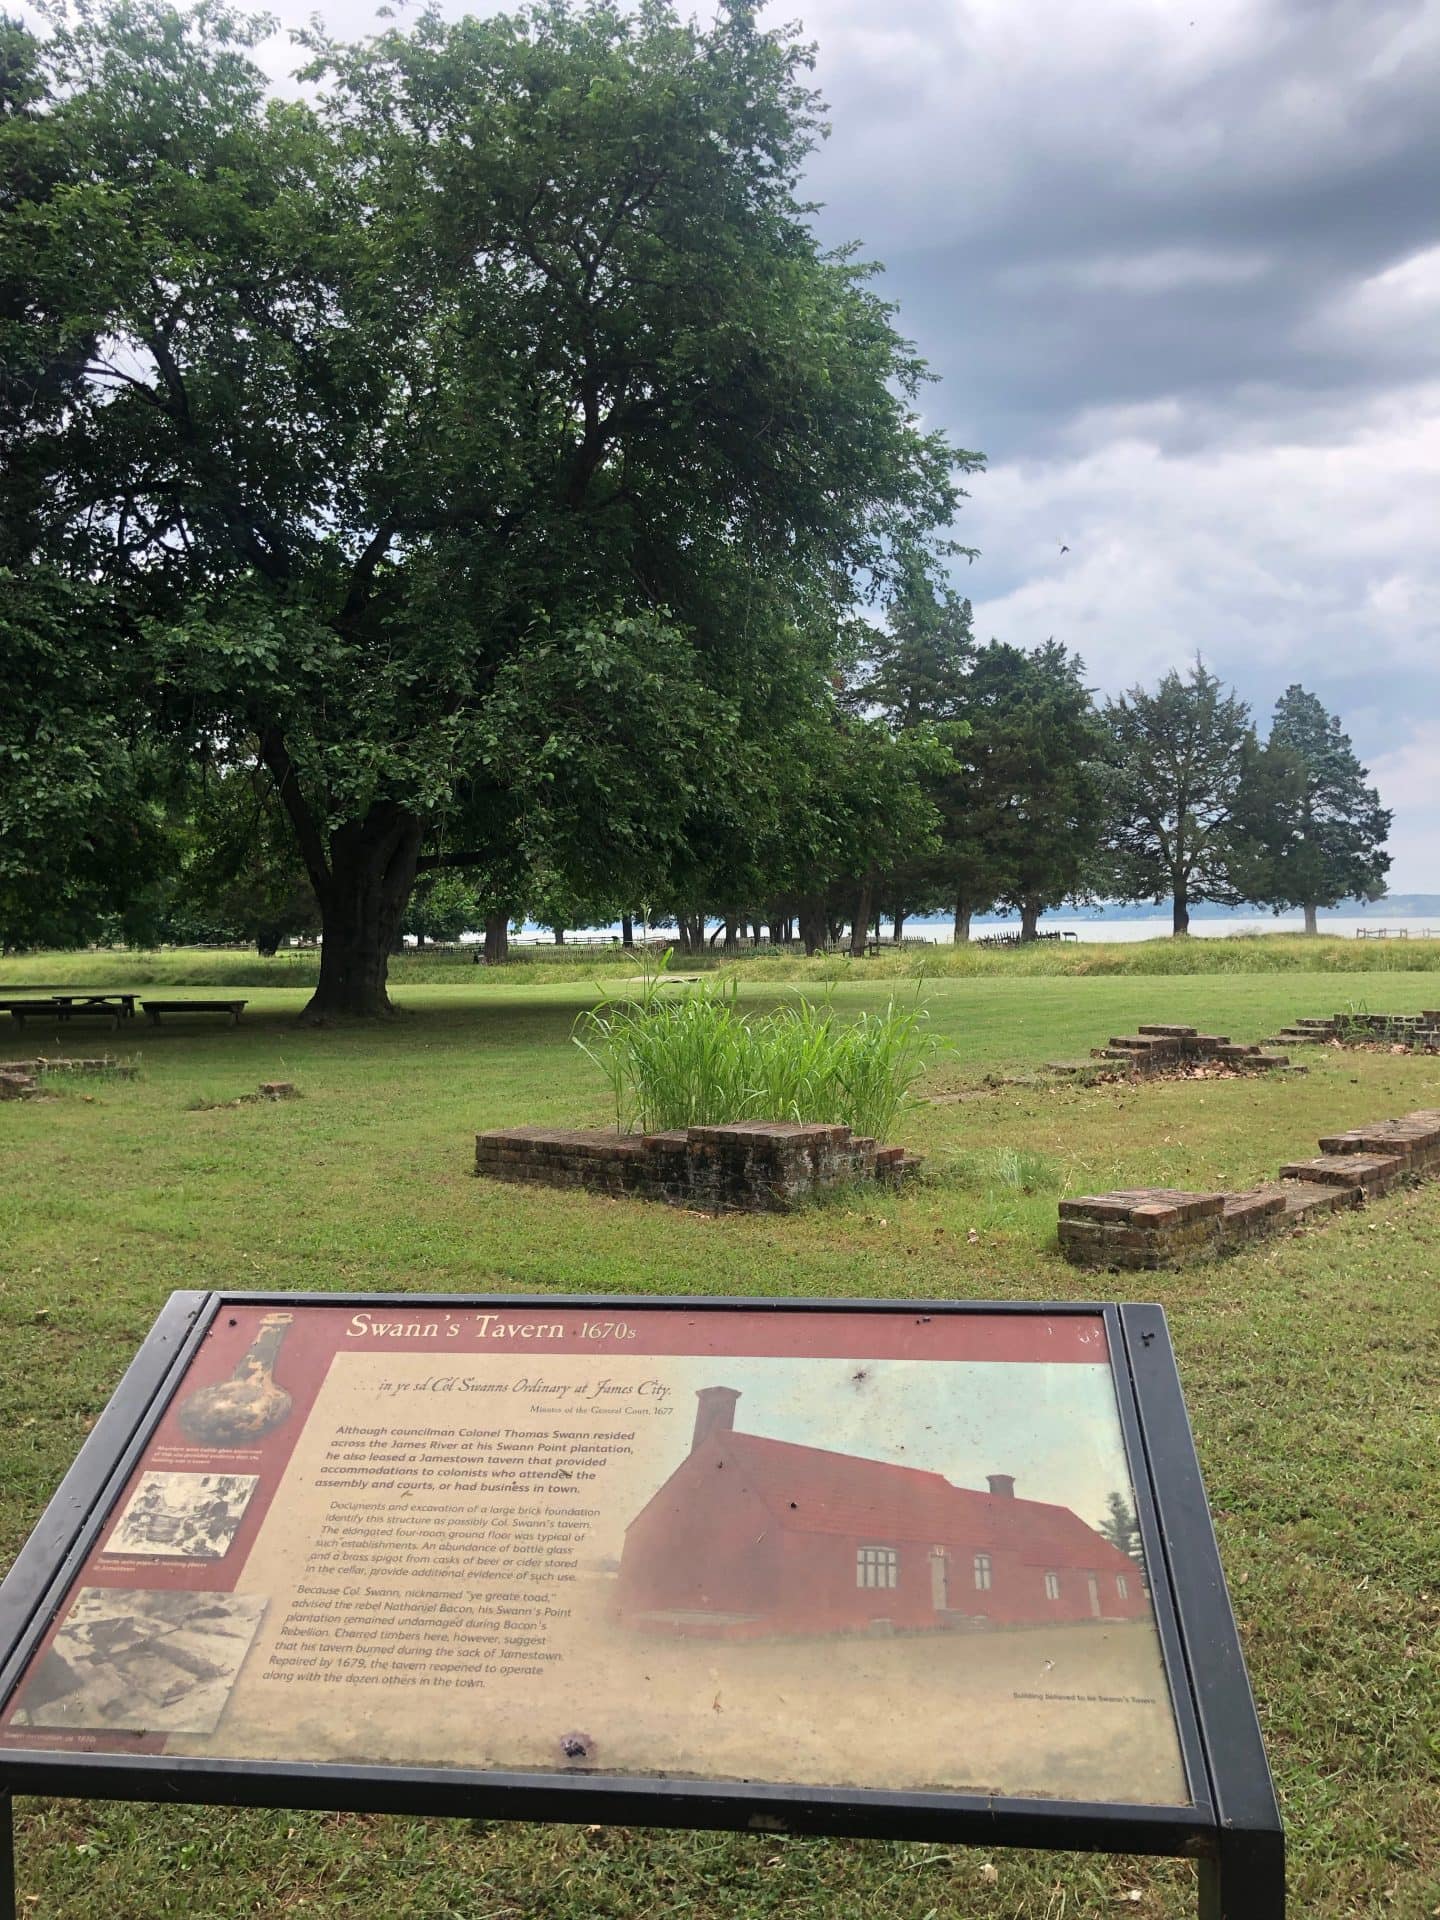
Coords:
pixel 1311 832
pixel 1044 780
pixel 480 437
pixel 1179 757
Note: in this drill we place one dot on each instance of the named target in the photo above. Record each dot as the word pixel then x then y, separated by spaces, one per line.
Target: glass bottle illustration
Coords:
pixel 251 1403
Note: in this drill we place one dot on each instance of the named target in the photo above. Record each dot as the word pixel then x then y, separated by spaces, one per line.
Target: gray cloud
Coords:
pixel 1179 273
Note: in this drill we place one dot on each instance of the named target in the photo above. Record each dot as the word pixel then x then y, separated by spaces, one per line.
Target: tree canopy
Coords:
pixel 483 442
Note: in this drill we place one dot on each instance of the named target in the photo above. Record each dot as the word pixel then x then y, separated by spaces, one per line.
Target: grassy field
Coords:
pixel 573 964
pixel 1310 1367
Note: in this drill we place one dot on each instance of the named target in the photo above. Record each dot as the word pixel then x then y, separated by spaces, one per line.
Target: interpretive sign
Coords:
pixel 851 1568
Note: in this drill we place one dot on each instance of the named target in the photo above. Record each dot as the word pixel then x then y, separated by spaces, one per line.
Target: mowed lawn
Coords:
pixel 1310 1366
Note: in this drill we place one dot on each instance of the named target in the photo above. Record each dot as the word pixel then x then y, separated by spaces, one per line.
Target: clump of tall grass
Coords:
pixel 1007 1170
pixel 692 1059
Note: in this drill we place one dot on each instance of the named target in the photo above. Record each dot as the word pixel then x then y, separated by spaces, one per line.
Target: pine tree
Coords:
pixel 1310 831
pixel 1180 755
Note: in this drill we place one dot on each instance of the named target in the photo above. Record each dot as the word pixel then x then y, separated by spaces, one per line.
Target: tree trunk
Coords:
pixel 627 930
pixel 812 926
pixel 365 892
pixel 860 920
pixel 1312 925
pixel 962 921
pixel 899 923
pixel 497 939
pixel 559 936
pixel 1182 912
pixel 1029 918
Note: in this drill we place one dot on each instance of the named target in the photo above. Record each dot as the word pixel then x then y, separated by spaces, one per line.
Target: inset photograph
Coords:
pixel 144 1662
pixel 183 1516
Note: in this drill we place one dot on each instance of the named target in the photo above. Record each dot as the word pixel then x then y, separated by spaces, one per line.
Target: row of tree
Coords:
pixel 1011 789
pixel 1164 794
pixel 475 465
pixel 974 778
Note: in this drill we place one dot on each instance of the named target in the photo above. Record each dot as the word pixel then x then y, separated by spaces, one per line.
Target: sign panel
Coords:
pixel 939 1571
pixel 885 1550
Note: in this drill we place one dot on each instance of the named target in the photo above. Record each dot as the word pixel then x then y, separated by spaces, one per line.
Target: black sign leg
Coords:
pixel 1247 1880
pixel 7 1856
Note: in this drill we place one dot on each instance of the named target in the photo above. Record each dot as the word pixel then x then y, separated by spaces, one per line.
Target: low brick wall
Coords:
pixel 1150 1227
pixel 1142 1227
pixel 1417 1032
pixel 758 1167
pixel 100 1063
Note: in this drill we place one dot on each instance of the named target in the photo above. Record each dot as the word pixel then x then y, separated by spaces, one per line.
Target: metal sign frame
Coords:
pixel 1232 1827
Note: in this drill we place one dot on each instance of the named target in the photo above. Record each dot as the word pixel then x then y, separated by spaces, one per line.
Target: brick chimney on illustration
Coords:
pixel 1002 1485
pixel 715 1413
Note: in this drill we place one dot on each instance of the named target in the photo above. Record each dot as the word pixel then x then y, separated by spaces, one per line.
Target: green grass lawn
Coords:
pixel 1310 1368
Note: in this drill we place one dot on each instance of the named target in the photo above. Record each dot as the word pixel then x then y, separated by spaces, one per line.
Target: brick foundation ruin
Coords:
pixel 1156 1049
pixel 754 1167
pixel 97 1063
pixel 1418 1032
pixel 21 1079
pixel 1151 1227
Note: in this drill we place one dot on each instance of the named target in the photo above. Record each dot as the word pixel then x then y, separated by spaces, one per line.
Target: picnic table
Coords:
pixel 71 1003
pixel 154 1008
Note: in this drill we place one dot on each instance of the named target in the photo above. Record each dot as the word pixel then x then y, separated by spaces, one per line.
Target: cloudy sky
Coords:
pixel 1177 265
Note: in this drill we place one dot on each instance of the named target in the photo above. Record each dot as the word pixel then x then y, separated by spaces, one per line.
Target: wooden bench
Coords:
pixel 70 1000
pixel 154 1008
pixel 113 1007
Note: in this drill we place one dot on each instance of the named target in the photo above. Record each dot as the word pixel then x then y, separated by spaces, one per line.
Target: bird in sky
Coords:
pixel 1064 549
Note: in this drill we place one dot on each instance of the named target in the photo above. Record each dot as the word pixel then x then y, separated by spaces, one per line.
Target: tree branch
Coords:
pixel 276 756
pixel 362 578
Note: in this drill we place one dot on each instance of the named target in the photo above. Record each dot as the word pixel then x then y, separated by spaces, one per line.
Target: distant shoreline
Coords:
pixel 1089 926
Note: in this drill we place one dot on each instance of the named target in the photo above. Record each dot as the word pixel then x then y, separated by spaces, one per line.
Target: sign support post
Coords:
pixel 7 1856
pixel 1246 1880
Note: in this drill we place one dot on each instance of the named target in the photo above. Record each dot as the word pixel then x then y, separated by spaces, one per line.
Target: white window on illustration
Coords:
pixel 1122 1586
pixel 1052 1586
pixel 876 1566
pixel 982 1573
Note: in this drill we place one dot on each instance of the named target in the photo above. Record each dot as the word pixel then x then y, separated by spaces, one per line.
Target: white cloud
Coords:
pixel 1408 777
pixel 1275 559
pixel 1397 309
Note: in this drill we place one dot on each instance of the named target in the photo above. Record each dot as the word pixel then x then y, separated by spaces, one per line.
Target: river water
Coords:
pixel 1115 926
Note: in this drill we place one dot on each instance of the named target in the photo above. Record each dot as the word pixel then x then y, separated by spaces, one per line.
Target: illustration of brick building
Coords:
pixel 751 1536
